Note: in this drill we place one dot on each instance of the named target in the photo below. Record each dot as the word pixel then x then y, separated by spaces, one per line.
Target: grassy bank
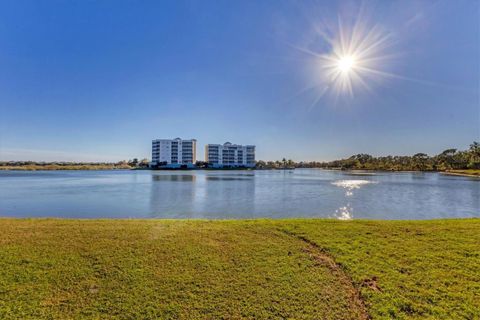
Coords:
pixel 302 269
pixel 466 172
pixel 66 167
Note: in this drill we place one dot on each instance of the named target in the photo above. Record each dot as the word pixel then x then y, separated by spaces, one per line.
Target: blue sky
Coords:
pixel 98 80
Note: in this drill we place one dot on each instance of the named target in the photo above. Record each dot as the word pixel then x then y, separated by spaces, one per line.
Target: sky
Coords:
pixel 98 80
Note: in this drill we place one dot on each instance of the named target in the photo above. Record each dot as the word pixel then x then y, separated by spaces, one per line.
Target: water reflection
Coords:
pixel 360 173
pixel 172 195
pixel 237 194
pixel 346 212
pixel 351 184
pixel 226 178
pixel 174 177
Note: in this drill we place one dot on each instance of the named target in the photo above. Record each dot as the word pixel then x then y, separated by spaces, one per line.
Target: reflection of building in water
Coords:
pixel 174 177
pixel 172 195
pixel 176 153
pixel 229 195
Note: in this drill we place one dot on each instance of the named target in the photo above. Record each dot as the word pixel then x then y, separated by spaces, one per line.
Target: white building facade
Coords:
pixel 230 155
pixel 174 153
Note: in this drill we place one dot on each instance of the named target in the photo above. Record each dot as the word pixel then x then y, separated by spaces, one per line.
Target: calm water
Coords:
pixel 237 194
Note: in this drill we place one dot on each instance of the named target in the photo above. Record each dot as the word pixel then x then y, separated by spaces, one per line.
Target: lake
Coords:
pixel 238 194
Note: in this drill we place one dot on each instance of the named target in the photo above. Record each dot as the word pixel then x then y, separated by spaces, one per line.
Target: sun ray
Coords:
pixel 355 51
pixel 351 56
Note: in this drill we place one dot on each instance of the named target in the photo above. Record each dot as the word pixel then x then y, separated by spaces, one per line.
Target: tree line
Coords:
pixel 450 159
pixel 70 165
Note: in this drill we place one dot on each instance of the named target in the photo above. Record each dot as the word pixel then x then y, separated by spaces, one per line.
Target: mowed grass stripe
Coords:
pixel 164 269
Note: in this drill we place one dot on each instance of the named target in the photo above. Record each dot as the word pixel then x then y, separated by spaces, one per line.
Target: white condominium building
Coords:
pixel 174 153
pixel 230 155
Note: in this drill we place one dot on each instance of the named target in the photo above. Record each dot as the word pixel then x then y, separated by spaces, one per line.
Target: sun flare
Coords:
pixel 349 56
pixel 346 63
pixel 356 57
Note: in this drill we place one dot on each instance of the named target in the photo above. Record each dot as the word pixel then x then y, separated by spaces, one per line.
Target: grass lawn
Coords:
pixel 258 269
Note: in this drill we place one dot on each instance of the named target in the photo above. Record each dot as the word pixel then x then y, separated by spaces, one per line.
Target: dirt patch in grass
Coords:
pixel 404 269
pixel 345 283
pixel 371 283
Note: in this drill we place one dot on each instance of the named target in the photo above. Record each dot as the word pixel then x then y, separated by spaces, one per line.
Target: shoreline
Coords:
pixel 460 174
pixel 73 168
pixel 20 169
pixel 39 168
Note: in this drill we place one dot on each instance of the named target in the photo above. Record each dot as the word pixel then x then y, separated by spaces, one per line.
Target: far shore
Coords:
pixel 92 167
pixel 65 167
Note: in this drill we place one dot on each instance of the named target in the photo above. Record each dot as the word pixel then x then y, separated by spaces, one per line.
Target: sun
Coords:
pixel 356 56
pixel 352 55
pixel 346 63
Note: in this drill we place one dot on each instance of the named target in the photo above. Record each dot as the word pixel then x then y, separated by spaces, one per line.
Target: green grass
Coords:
pixel 406 270
pixel 298 269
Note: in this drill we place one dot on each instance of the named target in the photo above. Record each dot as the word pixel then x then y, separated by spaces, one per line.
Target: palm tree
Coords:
pixel 290 163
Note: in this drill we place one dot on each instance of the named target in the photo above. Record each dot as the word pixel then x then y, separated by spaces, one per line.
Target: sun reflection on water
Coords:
pixel 351 184
pixel 346 212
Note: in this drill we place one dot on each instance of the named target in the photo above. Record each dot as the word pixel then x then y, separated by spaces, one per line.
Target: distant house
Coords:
pixel 230 155
pixel 174 153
